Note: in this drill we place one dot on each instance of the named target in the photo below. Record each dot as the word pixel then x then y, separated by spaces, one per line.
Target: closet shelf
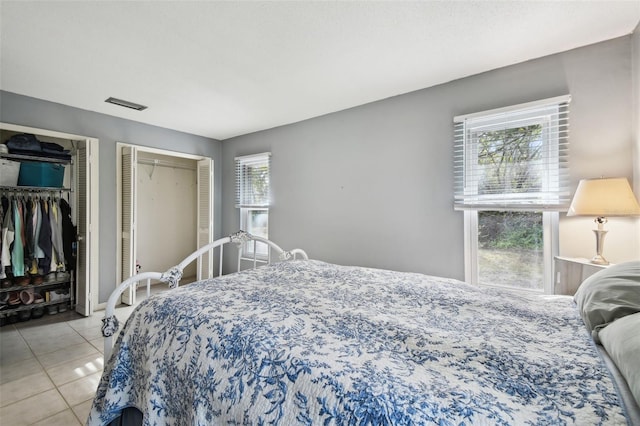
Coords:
pixel 36 286
pixel 35 158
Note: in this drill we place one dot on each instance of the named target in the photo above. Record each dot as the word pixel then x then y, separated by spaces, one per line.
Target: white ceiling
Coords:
pixel 221 69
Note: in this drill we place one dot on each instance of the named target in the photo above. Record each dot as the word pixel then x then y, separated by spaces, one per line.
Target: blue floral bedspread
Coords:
pixel 307 342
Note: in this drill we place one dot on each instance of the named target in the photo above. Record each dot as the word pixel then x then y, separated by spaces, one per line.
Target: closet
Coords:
pixel 66 276
pixel 167 200
pixel 38 252
pixel 166 205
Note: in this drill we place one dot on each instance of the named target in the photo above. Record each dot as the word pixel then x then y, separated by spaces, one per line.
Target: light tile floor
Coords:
pixel 50 368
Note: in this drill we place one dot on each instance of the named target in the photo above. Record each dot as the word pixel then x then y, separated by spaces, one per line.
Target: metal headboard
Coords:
pixel 173 275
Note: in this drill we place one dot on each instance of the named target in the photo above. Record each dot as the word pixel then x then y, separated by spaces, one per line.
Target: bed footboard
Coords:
pixel 172 276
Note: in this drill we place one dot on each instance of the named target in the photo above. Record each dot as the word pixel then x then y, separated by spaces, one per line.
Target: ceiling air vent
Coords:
pixel 126 104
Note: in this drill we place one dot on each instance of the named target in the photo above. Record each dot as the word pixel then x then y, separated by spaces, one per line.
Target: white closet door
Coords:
pixel 87 223
pixel 205 216
pixel 129 179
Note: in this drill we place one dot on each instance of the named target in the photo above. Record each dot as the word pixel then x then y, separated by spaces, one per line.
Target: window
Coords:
pixel 511 180
pixel 252 199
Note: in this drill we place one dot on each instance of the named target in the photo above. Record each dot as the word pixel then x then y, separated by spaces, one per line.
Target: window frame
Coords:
pixel 248 247
pixel 246 204
pixel 550 243
pixel 556 147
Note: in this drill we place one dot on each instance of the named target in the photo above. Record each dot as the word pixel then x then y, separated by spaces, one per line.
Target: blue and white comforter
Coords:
pixel 306 342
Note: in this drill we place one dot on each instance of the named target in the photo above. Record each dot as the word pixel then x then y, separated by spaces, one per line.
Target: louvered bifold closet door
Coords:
pixel 83 289
pixel 205 216
pixel 129 161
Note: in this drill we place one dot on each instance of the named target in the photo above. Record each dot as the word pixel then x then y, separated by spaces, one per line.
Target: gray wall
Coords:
pixel 26 111
pixel 372 185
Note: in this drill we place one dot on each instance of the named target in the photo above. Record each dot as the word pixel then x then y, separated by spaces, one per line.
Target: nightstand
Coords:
pixel 570 272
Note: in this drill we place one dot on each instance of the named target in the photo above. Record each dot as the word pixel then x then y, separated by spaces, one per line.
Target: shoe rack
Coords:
pixel 32 297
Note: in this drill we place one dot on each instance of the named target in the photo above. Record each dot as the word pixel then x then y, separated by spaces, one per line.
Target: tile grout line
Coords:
pixel 34 356
pixel 39 362
pixel 65 400
pixel 50 379
pixel 55 386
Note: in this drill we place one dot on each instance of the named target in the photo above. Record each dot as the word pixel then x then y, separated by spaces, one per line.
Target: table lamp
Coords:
pixel 601 198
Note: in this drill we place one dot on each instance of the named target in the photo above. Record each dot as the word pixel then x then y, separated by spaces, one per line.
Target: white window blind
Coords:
pixel 252 180
pixel 513 158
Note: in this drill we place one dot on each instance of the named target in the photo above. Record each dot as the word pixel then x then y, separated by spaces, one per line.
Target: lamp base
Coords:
pixel 598 259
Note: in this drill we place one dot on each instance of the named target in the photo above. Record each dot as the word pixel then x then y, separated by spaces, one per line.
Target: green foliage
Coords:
pixel 510 230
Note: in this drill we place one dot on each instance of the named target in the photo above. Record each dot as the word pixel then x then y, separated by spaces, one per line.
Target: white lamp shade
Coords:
pixel 604 197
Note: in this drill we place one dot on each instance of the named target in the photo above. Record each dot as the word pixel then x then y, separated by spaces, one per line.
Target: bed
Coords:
pixel 301 341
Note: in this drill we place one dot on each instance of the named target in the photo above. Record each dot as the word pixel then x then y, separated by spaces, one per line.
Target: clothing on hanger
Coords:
pixel 17 251
pixel 37 235
pixel 44 239
pixel 69 235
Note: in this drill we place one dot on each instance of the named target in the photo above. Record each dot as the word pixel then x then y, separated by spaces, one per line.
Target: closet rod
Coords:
pixel 33 189
pixel 163 163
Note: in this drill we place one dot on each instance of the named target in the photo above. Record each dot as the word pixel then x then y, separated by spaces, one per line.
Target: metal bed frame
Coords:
pixel 173 275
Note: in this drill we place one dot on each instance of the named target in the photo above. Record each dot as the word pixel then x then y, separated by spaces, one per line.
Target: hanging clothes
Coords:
pixel 44 239
pixel 17 252
pixel 28 232
pixel 56 236
pixel 37 236
pixel 69 235
pixel 2 210
pixel 37 223
pixel 7 237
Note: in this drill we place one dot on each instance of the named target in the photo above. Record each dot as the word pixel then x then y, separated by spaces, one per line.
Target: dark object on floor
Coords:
pixel 130 416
